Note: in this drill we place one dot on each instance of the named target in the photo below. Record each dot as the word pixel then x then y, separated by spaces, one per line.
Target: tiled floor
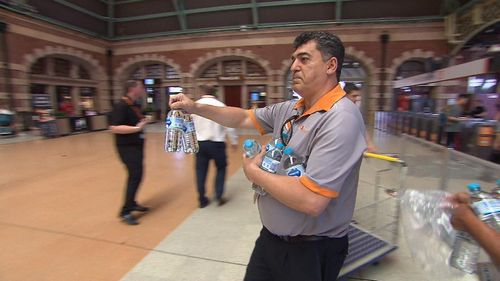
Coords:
pixel 59 198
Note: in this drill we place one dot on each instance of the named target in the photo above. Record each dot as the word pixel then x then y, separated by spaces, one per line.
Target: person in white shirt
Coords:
pixel 211 138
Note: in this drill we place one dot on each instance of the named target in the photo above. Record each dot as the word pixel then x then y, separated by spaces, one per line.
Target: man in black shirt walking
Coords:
pixel 127 123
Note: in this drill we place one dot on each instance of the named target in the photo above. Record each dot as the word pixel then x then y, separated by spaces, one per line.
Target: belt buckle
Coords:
pixel 286 238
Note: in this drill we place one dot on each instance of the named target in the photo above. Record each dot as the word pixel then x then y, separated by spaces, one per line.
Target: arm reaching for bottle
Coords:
pixel 232 117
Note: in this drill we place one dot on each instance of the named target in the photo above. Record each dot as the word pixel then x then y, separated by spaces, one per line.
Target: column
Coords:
pixel 75 96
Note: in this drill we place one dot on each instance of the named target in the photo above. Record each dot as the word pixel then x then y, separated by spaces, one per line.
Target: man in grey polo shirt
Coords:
pixel 305 219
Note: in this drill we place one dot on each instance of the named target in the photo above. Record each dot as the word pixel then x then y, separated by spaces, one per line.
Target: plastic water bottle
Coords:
pixel 293 165
pixel 272 144
pixel 174 124
pixel 496 191
pixel 465 252
pixel 485 205
pixel 190 142
pixel 271 161
pixel 251 148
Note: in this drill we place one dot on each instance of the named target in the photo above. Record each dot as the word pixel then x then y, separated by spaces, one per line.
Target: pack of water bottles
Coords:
pixel 277 160
pixel 180 133
pixel 433 242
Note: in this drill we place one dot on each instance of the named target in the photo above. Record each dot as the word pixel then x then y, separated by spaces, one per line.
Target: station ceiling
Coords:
pixel 132 19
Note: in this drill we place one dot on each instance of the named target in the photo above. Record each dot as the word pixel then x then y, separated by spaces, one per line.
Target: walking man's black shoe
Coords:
pixel 221 201
pixel 129 219
pixel 140 208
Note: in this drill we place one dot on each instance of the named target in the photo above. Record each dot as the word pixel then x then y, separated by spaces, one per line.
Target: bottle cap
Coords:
pixel 288 151
pixel 279 145
pixel 248 143
pixel 474 186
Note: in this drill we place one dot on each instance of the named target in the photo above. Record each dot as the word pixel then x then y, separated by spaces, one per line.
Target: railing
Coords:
pixel 433 166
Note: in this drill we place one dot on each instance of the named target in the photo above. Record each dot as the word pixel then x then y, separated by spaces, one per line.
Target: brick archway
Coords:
pixel 96 71
pixel 407 55
pixel 197 68
pixel 201 62
pixel 97 74
pixel 124 68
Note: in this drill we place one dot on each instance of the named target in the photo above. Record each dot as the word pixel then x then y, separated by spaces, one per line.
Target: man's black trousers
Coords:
pixel 216 151
pixel 276 260
pixel 132 156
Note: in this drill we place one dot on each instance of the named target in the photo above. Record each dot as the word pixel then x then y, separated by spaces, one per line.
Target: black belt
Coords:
pixel 297 238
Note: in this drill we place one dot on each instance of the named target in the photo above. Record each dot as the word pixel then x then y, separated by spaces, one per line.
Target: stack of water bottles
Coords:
pixel 466 250
pixel 180 135
pixel 277 159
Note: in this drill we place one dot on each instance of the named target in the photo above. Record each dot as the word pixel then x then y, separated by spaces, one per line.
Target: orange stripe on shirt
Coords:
pixel 255 122
pixel 314 187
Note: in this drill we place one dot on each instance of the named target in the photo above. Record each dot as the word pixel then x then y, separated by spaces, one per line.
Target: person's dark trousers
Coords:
pixel 132 156
pixel 216 151
pixel 495 156
pixel 276 260
pixel 450 139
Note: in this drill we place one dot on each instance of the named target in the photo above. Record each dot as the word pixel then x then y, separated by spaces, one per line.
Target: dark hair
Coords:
pixel 328 44
pixel 350 87
pixel 132 84
pixel 464 96
pixel 210 90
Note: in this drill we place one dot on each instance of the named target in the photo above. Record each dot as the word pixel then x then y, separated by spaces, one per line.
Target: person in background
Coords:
pixel 354 94
pixel 127 123
pixel 478 110
pixel 67 107
pixel 7 122
pixel 454 115
pixel 495 154
pixel 464 218
pixel 305 219
pixel 211 138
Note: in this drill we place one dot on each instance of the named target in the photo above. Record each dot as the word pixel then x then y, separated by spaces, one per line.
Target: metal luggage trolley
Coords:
pixel 373 232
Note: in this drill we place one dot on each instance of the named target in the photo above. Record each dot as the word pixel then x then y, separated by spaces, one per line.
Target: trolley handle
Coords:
pixel 384 157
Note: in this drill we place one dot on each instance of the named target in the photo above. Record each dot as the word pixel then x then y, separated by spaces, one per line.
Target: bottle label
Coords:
pixel 487 207
pixel 269 164
pixel 269 147
pixel 175 123
pixel 465 236
pixel 189 127
pixel 295 171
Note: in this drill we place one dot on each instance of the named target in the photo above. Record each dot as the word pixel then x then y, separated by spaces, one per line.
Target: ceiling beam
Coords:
pixel 80 9
pixel 127 1
pixel 146 17
pixel 179 7
pixel 277 25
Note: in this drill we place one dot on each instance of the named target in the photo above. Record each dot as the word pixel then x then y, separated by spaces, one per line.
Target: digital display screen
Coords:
pixel 174 90
pixel 149 81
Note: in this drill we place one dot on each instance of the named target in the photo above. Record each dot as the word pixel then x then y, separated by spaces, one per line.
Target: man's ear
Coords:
pixel 332 66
